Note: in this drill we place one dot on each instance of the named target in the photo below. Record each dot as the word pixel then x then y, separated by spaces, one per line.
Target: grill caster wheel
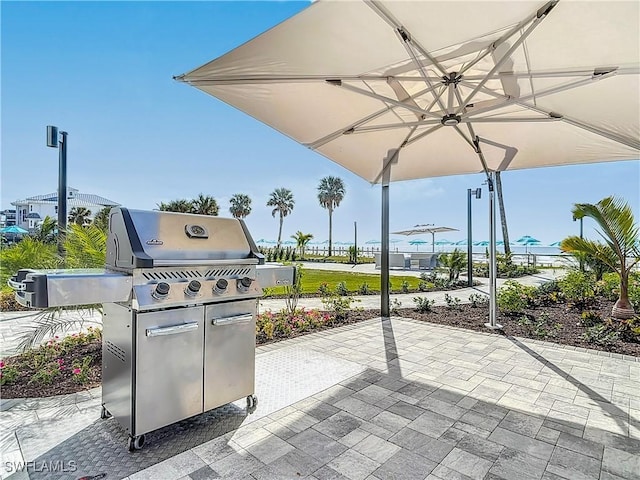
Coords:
pixel 136 443
pixel 252 403
pixel 104 413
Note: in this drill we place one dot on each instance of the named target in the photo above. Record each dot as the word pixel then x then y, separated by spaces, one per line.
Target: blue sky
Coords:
pixel 102 71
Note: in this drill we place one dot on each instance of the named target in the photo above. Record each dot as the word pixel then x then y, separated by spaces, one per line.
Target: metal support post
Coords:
pixel 493 304
pixel 476 193
pixel 391 158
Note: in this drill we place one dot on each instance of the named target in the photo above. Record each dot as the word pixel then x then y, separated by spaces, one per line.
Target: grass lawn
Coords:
pixel 313 278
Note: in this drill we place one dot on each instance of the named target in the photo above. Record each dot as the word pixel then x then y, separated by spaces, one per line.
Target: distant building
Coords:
pixel 31 211
pixel 7 218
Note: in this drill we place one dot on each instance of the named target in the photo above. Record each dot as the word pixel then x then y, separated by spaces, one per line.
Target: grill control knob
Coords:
pixel 244 284
pixel 161 291
pixel 193 288
pixel 220 286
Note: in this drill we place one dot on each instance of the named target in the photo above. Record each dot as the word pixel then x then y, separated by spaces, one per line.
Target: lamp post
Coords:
pixel 476 193
pixel 61 145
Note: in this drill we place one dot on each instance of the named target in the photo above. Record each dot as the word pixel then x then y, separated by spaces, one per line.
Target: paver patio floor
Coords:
pixel 383 399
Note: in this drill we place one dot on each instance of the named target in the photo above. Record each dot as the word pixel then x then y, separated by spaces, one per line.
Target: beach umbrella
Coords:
pixel 417 242
pixel 461 242
pixel 372 242
pixel 482 243
pixel 14 229
pixel 444 241
pixel 527 240
pixel 425 228
pixel 407 90
pixel 555 244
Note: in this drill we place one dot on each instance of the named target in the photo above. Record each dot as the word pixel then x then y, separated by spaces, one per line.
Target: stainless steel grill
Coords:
pixel 180 300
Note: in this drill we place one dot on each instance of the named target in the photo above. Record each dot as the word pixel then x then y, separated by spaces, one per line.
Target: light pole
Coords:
pixel 52 141
pixel 476 193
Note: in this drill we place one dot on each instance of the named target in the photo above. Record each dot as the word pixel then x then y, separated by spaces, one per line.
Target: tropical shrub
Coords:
pixel 578 288
pixel 28 253
pixel 394 306
pixel 589 318
pixel 601 334
pixel 478 300
pixel 282 324
pixel 621 242
pixel 452 302
pixel 514 297
pixel 338 306
pixel 548 293
pixel 341 289
pixel 364 289
pixel 541 327
pixel 453 263
pixel 423 304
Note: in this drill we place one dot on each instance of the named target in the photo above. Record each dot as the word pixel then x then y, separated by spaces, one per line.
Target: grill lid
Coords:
pixel 147 239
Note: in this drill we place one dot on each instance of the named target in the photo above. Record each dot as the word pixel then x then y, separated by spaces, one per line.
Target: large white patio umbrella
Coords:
pixel 399 90
pixel 429 228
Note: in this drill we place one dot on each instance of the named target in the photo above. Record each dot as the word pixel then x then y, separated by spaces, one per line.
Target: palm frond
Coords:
pixel 602 252
pixel 57 320
pixel 86 247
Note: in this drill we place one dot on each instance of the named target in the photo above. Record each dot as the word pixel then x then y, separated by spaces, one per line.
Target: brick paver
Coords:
pixel 425 402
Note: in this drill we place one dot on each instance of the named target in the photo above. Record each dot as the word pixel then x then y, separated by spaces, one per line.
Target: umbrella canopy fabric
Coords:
pixel 14 229
pixel 555 244
pixel 421 229
pixel 405 90
pixel 530 83
pixel 418 241
pixel 527 240
pixel 444 241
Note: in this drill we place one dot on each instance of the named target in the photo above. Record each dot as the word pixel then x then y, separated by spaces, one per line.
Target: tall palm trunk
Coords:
pixel 330 229
pixel 280 230
pixel 503 216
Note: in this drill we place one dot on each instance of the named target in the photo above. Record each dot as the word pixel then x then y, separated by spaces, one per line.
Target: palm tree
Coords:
pixel 28 253
pixel 205 205
pixel 85 247
pixel 301 241
pixel 180 206
pixel 79 215
pixel 282 200
pixel 45 232
pixel 503 218
pixel 101 220
pixel 240 205
pixel 621 240
pixel 331 191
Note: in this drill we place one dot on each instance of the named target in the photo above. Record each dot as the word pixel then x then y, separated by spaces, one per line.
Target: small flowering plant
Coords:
pixel 81 370
pixel 73 358
pixel 283 324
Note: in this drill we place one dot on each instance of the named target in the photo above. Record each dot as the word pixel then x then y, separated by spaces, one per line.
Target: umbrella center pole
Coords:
pixel 493 271
pixel 392 157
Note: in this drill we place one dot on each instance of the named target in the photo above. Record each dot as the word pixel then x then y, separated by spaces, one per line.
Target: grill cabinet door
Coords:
pixel 229 352
pixel 169 367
